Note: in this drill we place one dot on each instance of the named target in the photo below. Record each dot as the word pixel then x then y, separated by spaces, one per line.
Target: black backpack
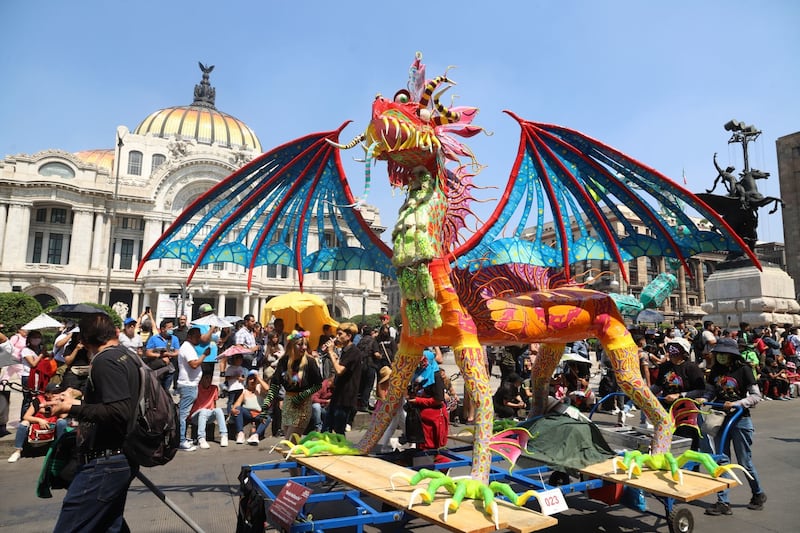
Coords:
pixel 152 438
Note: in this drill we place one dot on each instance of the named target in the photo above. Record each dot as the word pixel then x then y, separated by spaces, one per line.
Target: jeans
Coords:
pixel 367 384
pixel 200 419
pixel 318 413
pixel 95 500
pixel 337 418
pixel 166 380
pixel 741 436
pixel 21 436
pixel 5 401
pixel 245 417
pixel 188 394
pixel 232 397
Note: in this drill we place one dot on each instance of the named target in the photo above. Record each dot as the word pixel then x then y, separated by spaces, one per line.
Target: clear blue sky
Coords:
pixel 656 80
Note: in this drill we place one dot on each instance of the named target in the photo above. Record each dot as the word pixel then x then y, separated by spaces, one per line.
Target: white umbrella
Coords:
pixel 212 320
pixel 232 319
pixel 43 321
pixel 574 357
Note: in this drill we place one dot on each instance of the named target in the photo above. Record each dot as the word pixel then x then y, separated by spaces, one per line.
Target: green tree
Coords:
pixel 17 309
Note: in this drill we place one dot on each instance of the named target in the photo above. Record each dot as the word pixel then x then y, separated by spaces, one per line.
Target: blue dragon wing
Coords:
pixel 585 187
pixel 263 213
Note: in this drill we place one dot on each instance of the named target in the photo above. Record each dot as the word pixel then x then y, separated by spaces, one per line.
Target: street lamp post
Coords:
pixel 184 291
pixel 110 248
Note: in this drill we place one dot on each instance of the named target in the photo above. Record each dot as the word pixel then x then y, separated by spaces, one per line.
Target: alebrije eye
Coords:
pixel 402 97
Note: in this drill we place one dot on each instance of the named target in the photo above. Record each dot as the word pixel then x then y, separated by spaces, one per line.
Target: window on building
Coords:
pixel 55 247
pixel 49 237
pixel 219 266
pixel 134 223
pixel 38 238
pixel 652 268
pixel 58 215
pixel 157 161
pixel 135 163
pixel 126 254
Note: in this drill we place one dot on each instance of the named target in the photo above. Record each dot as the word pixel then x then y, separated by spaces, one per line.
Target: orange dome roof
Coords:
pixel 103 158
pixel 200 121
pixel 204 124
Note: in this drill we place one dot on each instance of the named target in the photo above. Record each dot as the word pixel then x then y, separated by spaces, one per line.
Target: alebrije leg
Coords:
pixel 424 473
pixel 435 484
pixel 523 498
pixel 458 496
pixel 546 363
pixel 505 489
pixel 625 361
pixel 487 495
pixel 405 362
pixel 471 363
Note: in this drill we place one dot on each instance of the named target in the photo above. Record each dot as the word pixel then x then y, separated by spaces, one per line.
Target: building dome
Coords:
pixel 200 121
pixel 103 158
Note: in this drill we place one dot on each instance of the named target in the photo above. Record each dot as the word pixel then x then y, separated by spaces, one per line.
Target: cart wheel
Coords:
pixel 680 520
pixel 558 478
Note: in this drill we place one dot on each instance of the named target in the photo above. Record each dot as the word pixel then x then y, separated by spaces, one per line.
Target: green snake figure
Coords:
pixel 316 443
pixel 460 488
pixel 632 462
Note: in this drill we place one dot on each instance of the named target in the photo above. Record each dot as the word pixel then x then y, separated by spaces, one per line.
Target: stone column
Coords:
pixel 246 304
pixel 99 243
pixel 682 298
pixel 152 231
pixel 701 282
pixel 80 252
pixel 221 304
pixel 3 215
pixel 135 309
pixel 15 245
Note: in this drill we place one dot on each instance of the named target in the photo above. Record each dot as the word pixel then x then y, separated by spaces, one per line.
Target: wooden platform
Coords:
pixel 370 475
pixel 695 485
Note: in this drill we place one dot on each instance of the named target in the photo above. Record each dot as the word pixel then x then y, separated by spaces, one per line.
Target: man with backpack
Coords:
pixel 103 415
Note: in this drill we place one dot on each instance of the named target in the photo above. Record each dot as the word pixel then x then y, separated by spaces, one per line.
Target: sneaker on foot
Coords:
pixel 240 437
pixel 253 439
pixel 203 444
pixel 15 456
pixel 187 446
pixel 719 508
pixel 223 440
pixel 757 502
pixel 615 411
pixel 347 428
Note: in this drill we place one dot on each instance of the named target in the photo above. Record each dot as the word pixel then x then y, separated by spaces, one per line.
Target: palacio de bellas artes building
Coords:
pixel 62 214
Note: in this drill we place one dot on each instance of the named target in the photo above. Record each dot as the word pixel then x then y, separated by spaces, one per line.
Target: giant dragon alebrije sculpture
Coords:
pixel 489 288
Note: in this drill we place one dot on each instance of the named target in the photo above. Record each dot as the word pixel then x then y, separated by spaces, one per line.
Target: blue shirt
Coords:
pixel 200 348
pixel 157 342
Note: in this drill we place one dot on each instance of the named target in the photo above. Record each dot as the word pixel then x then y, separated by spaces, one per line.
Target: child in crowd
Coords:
pixel 234 379
pixel 205 406
pixel 37 418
